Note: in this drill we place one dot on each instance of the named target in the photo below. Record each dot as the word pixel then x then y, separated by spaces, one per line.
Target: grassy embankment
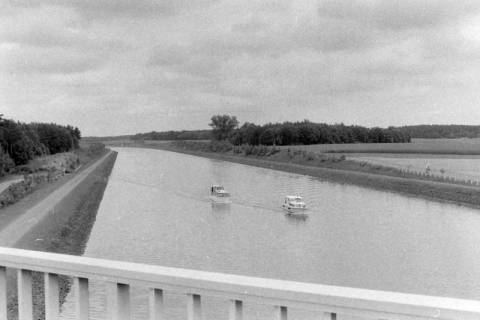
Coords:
pixel 68 230
pixel 466 146
pixel 336 168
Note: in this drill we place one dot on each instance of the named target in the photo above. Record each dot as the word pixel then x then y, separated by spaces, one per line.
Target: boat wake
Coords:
pixel 205 199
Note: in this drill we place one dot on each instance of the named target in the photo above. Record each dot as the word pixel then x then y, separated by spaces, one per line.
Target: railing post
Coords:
pixel 194 307
pixel 330 316
pixel 280 313
pixel 3 293
pixel 123 301
pixel 156 304
pixel 52 304
pixel 82 296
pixel 119 301
pixel 236 310
pixel 25 306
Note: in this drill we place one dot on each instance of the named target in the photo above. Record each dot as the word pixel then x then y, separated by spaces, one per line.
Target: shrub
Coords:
pixel 219 146
pixel 237 149
pixel 247 149
pixel 262 151
pixel 96 149
pixel 311 156
pixel 6 163
pixel 274 150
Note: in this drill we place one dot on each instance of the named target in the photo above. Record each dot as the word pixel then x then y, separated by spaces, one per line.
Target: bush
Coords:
pixel 6 163
pixel 23 169
pixel 311 156
pixel 247 149
pixel 95 149
pixel 220 146
pixel 274 150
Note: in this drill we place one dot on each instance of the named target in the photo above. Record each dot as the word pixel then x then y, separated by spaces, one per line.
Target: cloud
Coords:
pixel 48 61
pixel 351 61
pixel 46 37
pixel 291 57
pixel 169 55
pixel 48 41
pixel 399 15
pixel 107 10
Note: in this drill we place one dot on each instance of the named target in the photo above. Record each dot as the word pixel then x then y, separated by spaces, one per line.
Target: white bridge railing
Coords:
pixel 330 300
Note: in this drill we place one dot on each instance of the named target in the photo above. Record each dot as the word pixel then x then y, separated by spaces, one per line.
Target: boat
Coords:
pixel 294 205
pixel 218 194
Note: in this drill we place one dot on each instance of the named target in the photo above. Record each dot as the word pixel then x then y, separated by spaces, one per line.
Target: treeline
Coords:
pixel 306 132
pixel 174 135
pixel 21 142
pixel 436 131
pixel 286 133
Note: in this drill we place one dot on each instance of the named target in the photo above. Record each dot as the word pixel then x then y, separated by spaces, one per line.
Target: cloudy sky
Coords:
pixel 125 66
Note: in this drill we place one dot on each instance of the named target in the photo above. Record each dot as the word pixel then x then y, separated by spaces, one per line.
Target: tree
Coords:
pixel 6 163
pixel 267 137
pixel 223 126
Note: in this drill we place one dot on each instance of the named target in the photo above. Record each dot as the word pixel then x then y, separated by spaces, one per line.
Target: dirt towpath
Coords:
pixel 16 229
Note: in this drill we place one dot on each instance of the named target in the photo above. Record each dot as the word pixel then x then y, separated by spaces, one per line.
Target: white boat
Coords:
pixel 219 195
pixel 294 205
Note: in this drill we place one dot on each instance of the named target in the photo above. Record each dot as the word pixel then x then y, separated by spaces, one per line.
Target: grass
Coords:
pixel 460 167
pixel 417 146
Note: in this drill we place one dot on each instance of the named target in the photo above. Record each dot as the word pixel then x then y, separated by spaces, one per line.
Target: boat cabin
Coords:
pixel 293 199
pixel 218 191
pixel 294 203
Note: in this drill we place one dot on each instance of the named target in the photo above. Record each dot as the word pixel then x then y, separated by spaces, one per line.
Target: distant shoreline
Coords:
pixel 431 190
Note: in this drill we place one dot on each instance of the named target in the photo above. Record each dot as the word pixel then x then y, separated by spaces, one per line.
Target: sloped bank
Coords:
pixel 66 230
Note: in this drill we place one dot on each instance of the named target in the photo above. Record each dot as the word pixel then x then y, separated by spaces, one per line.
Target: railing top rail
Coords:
pixel 268 291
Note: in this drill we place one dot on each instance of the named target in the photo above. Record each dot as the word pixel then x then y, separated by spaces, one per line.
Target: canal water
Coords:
pixel 156 210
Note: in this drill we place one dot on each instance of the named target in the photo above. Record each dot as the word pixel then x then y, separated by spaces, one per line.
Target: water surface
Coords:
pixel 156 210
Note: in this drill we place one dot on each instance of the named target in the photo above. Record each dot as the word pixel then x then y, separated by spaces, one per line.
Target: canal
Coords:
pixel 156 210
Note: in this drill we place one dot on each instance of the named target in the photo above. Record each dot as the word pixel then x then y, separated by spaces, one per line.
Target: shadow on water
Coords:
pixel 296 219
pixel 220 207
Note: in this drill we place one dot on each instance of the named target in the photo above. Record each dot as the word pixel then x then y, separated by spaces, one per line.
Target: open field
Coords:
pixel 462 146
pixel 459 168
pixel 453 158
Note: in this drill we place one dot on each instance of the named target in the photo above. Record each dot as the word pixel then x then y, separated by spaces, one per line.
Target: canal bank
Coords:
pixel 432 190
pixel 60 223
